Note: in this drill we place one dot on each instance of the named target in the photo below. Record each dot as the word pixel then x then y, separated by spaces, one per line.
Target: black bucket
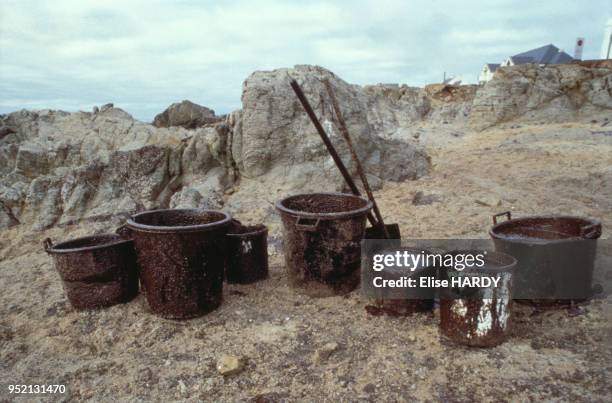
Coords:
pixel 556 256
pixel 478 316
pixel 247 253
pixel 96 271
pixel 404 301
pixel 322 241
pixel 181 254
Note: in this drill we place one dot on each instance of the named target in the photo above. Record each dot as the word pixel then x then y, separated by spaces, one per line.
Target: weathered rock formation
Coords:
pixel 274 140
pixel 60 167
pixel 185 114
pixel 555 93
pixel 433 104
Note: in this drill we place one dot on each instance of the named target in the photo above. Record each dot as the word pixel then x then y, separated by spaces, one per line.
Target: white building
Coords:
pixel 487 72
pixel 606 46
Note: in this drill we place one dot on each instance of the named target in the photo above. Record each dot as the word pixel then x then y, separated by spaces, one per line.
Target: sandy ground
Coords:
pixel 126 353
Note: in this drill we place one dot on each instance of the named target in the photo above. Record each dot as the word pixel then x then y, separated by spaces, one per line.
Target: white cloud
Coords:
pixel 143 55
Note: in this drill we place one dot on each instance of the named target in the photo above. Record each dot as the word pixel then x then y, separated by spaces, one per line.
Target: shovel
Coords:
pixel 378 230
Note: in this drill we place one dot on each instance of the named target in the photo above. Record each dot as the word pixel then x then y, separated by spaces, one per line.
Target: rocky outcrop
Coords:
pixel 185 114
pixel 434 104
pixel 59 168
pixel 554 93
pixel 273 139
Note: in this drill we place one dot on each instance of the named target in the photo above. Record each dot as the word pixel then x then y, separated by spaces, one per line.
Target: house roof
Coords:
pixel 549 54
pixel 492 67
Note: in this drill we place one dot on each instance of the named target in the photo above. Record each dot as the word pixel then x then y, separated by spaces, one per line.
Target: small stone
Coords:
pixel 230 365
pixel 145 375
pixel 412 338
pixel 182 387
pixel 324 352
pixel 421 199
pixel 369 389
pixel 489 202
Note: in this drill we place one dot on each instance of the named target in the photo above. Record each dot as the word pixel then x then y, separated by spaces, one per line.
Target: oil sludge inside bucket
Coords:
pixel 181 254
pixel 322 234
pixel 96 271
pixel 478 316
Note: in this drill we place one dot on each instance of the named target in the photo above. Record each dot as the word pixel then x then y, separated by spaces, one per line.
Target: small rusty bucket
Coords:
pixel 322 241
pixel 478 316
pixel 247 253
pixel 403 301
pixel 181 254
pixel 96 271
pixel 556 256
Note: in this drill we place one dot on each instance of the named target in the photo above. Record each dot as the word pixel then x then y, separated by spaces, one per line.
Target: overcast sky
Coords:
pixel 144 55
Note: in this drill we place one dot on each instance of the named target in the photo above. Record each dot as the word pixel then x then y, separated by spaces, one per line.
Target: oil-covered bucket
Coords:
pixel 247 253
pixel 555 254
pixel 399 301
pixel 96 271
pixel 181 254
pixel 322 233
pixel 478 315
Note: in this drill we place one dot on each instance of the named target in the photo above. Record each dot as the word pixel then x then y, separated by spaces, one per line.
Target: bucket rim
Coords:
pixel 133 225
pixel 489 255
pixel 114 240
pixel 590 222
pixel 325 216
pixel 261 229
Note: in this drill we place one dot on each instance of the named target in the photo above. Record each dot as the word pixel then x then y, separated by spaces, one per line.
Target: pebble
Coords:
pixel 182 387
pixel 489 202
pixel 324 352
pixel 230 365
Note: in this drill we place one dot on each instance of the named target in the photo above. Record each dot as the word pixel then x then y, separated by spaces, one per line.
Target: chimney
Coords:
pixel 578 48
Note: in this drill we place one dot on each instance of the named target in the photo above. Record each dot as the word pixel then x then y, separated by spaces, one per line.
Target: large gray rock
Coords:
pixel 185 114
pixel 274 141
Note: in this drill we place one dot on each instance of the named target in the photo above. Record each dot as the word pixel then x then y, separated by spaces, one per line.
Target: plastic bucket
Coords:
pixel 181 254
pixel 96 271
pixel 247 253
pixel 478 316
pixel 322 235
pixel 555 254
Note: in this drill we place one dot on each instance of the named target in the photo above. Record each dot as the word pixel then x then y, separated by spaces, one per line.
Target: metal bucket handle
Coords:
pixel 301 224
pixel 505 213
pixel 590 231
pixel 124 232
pixel 47 244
